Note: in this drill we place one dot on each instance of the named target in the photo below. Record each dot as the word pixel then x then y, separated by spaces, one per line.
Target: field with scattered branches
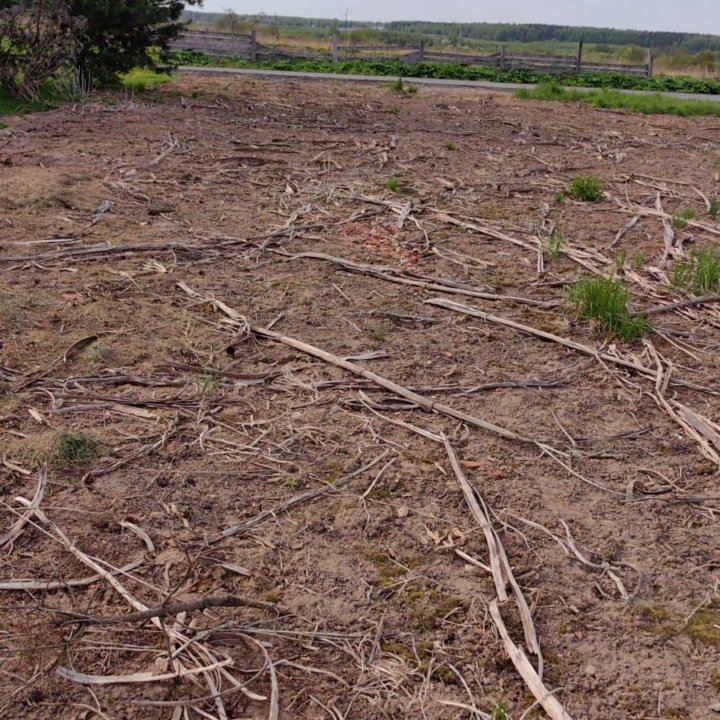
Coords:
pixel 335 401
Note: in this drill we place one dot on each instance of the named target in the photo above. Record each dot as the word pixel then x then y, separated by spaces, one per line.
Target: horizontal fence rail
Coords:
pixel 246 47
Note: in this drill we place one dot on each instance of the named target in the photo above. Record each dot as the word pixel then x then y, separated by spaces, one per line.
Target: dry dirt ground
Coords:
pixel 146 246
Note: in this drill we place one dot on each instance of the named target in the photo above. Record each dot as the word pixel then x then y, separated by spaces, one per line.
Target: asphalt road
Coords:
pixel 477 84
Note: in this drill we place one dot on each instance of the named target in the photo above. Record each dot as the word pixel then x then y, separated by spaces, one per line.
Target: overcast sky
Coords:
pixel 681 15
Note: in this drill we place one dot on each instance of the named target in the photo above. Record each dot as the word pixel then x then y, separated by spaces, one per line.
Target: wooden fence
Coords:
pixel 215 44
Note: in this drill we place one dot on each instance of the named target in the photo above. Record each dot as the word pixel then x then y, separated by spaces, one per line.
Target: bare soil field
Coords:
pixel 296 420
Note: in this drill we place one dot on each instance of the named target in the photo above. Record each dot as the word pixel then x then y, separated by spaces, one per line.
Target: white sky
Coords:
pixel 701 16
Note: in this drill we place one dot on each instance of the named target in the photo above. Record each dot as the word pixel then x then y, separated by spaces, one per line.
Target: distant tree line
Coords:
pixel 495 32
pixel 507 32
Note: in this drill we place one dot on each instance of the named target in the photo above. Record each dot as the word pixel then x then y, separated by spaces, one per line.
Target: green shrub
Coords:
pixel 714 208
pixel 607 301
pixel 586 188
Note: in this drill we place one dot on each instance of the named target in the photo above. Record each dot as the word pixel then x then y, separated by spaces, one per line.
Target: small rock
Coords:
pixel 403 512
pixel 590 670
pixel 715 707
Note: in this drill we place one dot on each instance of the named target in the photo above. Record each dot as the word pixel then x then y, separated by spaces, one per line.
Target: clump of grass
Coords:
pixel 554 244
pixel 700 273
pixel 607 300
pixel 412 90
pixel 397 86
pixel 586 188
pixel 140 79
pixel 500 711
pixel 714 208
pixel 559 198
pixel 76 449
pixel 207 383
pixel 393 184
pixel 680 218
pixel 704 626
pixel 380 333
pixel 450 145
pixel 395 110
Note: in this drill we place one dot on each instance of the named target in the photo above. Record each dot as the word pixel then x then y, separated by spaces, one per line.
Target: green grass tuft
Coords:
pixel 607 301
pixel 554 244
pixel 397 86
pixel 393 184
pixel 76 449
pixel 412 90
pixel 714 208
pixel 141 79
pixel 500 711
pixel 586 188
pixel 450 145
pixel 701 273
pixel 680 218
pixel 653 104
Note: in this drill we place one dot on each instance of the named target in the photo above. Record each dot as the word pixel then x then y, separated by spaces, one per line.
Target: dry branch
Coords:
pixel 536 686
pixel 404 277
pixel 297 500
pixel 162 611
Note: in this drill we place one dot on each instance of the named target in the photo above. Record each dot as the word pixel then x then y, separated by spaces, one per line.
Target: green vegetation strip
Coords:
pixel 451 71
pixel 605 98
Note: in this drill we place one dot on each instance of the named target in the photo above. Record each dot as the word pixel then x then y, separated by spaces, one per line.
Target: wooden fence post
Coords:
pixel 421 51
pixel 650 63
pixel 334 48
pixel 502 57
pixel 578 68
pixel 253 47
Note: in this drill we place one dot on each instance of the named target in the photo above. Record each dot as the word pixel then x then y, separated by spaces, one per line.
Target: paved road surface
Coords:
pixel 481 84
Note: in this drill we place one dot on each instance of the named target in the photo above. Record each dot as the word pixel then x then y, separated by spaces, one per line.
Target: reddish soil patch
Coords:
pixel 168 418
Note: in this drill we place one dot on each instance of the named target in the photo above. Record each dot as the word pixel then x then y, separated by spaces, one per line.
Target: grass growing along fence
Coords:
pixel 608 301
pixel 654 104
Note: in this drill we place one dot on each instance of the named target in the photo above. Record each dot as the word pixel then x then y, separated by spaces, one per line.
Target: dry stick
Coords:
pixel 705 433
pixel 704 300
pixel 499 563
pixel 14 532
pixel 303 497
pixel 421 400
pixel 474 312
pixel 178 668
pixel 174 608
pixel 621 232
pixel 501 572
pixel 436 284
pixel 547 700
pixel 75 347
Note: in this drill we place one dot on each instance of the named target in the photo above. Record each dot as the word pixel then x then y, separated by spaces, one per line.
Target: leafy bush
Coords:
pixel 607 301
pixel 586 188
pixel 37 40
